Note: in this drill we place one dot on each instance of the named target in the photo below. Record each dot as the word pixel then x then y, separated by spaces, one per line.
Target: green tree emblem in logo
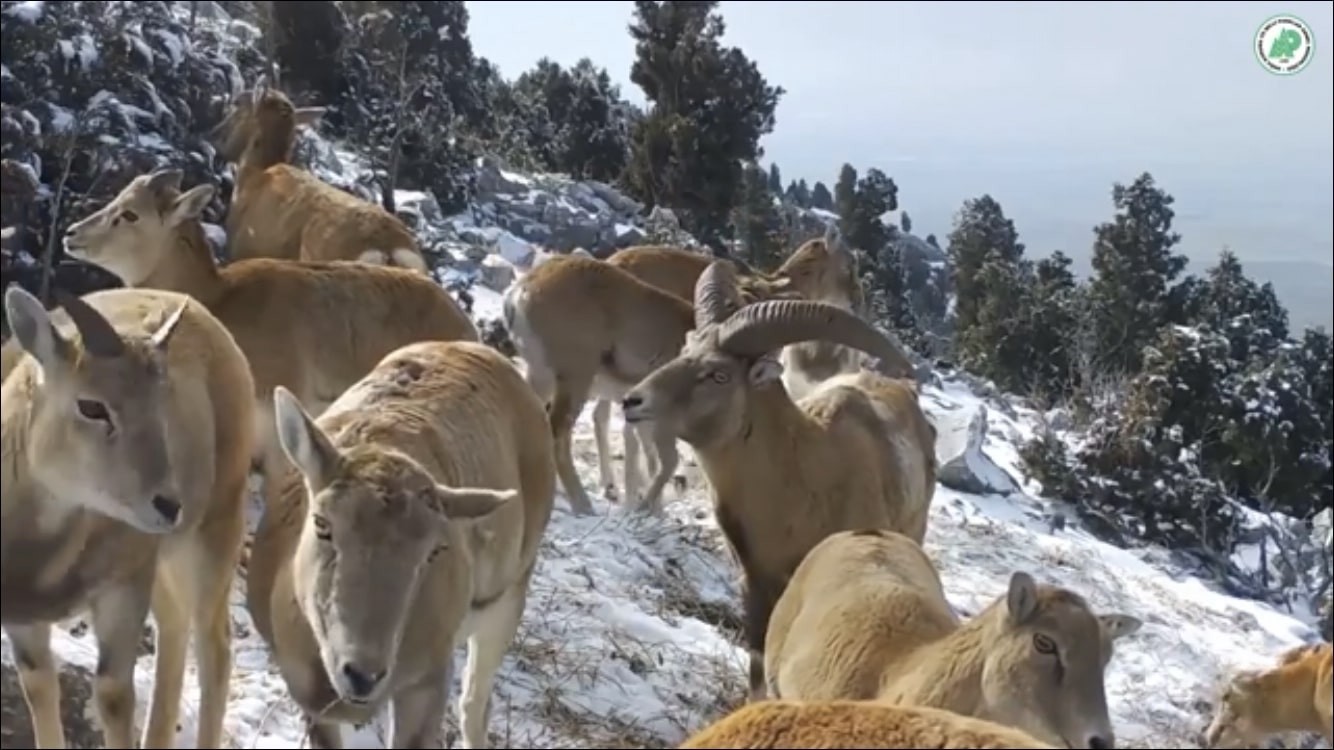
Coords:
pixel 1285 45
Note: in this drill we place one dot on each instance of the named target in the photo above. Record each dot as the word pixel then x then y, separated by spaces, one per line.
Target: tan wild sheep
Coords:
pixel 313 327
pixel 584 327
pixel 423 493
pixel 813 271
pixel 865 616
pixel 126 454
pixel 282 211
pixel 1296 695
pixel 857 452
pixel 837 725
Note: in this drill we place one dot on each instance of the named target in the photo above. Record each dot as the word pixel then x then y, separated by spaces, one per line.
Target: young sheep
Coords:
pixel 313 327
pixel 1297 695
pixel 584 327
pixel 856 452
pixel 282 211
pixel 422 495
pixel 126 454
pixel 865 617
pixel 837 725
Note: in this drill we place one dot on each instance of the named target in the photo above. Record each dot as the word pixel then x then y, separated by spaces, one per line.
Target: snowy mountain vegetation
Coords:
pixel 1158 443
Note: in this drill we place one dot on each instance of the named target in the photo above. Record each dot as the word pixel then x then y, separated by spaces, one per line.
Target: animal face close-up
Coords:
pixel 377 522
pixel 103 407
pixel 1044 669
pixel 129 235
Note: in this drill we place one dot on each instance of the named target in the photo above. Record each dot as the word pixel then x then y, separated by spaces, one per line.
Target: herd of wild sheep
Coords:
pixel 409 474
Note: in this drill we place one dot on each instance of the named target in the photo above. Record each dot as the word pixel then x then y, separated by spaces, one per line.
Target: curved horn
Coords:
pixel 766 326
pixel 99 337
pixel 716 295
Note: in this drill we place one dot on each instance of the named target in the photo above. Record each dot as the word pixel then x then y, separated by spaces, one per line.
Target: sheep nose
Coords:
pixel 630 402
pixel 1098 742
pixel 359 680
pixel 167 507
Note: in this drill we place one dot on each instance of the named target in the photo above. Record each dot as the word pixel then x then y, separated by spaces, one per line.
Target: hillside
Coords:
pixel 630 637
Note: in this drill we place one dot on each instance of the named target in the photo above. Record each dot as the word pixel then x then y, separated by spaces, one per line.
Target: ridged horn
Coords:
pixel 99 337
pixel 766 326
pixel 716 295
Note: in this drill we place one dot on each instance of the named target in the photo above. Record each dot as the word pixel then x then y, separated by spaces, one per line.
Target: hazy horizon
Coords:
pixel 1043 106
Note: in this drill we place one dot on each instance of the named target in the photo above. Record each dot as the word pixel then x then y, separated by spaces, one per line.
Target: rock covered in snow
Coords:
pixel 964 465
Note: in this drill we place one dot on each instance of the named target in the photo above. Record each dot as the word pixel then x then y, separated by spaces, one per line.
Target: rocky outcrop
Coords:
pixel 964 465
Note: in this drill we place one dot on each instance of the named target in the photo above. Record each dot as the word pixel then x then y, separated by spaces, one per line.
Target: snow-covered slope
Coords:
pixel 629 638
pixel 630 635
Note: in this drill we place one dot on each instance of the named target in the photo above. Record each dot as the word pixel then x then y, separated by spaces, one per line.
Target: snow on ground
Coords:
pixel 630 632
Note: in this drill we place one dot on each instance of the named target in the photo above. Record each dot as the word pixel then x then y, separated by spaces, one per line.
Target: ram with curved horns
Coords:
pixel 857 451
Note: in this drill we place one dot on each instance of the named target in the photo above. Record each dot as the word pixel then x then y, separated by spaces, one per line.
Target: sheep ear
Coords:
pixel 306 445
pixel 190 204
pixel 1119 626
pixel 34 331
pixel 471 502
pixel 765 370
pixel 309 115
pixel 1022 598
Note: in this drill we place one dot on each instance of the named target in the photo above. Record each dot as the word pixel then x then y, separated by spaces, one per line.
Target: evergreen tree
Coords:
pixel 845 193
pixel 821 198
pixel 709 105
pixel 932 241
pixel 756 221
pixel 905 223
pixel 981 233
pixel 775 179
pixel 1134 267
pixel 799 194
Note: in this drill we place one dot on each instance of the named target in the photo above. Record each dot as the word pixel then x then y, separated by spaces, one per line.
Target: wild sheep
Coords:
pixel 126 454
pixel 585 327
pixel 865 616
pixel 857 452
pixel 282 211
pixel 1295 696
pixel 674 270
pixel 422 495
pixel 313 327
pixel 836 725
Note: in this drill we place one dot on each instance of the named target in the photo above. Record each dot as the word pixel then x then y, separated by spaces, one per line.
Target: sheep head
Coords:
pixel 702 394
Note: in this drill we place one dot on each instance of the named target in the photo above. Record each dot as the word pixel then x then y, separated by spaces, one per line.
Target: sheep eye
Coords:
pixel 1043 645
pixel 720 377
pixel 129 216
pixel 436 553
pixel 322 530
pixel 93 411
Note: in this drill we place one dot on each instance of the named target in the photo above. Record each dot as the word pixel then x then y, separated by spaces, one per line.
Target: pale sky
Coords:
pixel 1043 105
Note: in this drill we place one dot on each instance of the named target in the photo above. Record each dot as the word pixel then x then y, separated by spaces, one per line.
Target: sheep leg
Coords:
pixel 419 711
pixel 668 459
pixel 38 678
pixel 652 460
pixel 493 631
pixel 758 605
pixel 565 408
pixel 633 479
pixel 212 558
pixel 601 419
pixel 172 640
pixel 118 616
